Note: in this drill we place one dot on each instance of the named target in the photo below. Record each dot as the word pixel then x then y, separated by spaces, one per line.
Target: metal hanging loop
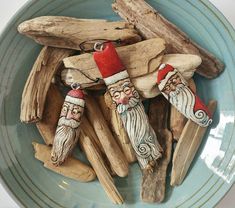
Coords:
pixel 75 86
pixel 98 46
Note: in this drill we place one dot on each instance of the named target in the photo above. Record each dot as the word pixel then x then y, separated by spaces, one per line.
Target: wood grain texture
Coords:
pixel 151 24
pixel 154 184
pixel 47 125
pixel 38 82
pixel 187 147
pixel 113 152
pixel 68 32
pixel 139 59
pixel 88 143
pixel 71 168
pixel 144 81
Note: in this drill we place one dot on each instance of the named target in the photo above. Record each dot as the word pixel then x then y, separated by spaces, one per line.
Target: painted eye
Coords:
pixel 167 88
pixel 75 111
pixel 174 81
pixel 127 90
pixel 64 109
pixel 116 95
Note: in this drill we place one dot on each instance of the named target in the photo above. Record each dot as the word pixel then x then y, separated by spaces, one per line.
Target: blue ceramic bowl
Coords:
pixel 212 172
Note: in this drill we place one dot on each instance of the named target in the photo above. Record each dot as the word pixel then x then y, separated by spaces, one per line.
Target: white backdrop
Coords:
pixel 7 10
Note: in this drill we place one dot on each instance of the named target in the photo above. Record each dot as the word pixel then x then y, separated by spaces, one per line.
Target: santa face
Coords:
pixel 135 121
pixel 172 84
pixel 174 88
pixel 124 95
pixel 67 132
pixel 70 115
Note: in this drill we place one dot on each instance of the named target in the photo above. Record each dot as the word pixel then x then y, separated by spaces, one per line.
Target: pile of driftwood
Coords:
pixel 146 40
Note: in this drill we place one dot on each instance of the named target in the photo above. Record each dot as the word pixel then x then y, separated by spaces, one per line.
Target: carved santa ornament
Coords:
pixel 173 86
pixel 128 105
pixel 68 130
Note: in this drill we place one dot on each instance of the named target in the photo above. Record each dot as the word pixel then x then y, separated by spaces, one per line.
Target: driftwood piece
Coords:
pixel 139 59
pixel 38 82
pixel 186 64
pixel 86 126
pixel 177 119
pixel 145 84
pixel 67 32
pixel 187 147
pixel 151 24
pixel 118 128
pixel 114 154
pixel 95 157
pixel 71 168
pixel 154 184
pixel 47 126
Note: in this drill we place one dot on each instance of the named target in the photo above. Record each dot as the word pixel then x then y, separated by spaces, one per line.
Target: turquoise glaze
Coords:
pixel 212 172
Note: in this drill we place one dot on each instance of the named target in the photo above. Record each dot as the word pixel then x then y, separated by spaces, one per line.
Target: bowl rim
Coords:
pixel 10 24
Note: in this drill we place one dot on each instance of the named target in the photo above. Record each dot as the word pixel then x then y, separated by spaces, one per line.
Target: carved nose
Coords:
pixel 69 115
pixel 173 87
pixel 124 100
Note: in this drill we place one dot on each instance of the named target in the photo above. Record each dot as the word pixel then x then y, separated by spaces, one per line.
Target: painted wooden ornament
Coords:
pixel 174 87
pixel 128 105
pixel 68 130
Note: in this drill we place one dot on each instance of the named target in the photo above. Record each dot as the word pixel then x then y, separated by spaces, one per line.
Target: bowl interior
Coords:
pixel 212 171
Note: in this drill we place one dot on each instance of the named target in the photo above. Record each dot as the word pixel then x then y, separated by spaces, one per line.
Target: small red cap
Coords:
pixel 163 70
pixel 108 61
pixel 76 94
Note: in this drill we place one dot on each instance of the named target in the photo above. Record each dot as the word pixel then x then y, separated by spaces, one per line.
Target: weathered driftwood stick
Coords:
pixel 47 126
pixel 151 24
pixel 145 84
pixel 38 82
pixel 177 119
pixel 67 32
pixel 139 59
pixel 86 126
pixel 95 158
pixel 71 168
pixel 114 154
pixel 118 129
pixel 154 184
pixel 104 108
pixel 187 147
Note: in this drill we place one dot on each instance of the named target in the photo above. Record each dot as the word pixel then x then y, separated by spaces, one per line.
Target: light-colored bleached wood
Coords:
pixel 177 119
pixel 67 32
pixel 154 184
pixel 86 126
pixel 97 162
pixel 139 59
pixel 38 82
pixel 113 152
pixel 71 168
pixel 151 24
pixel 144 83
pixel 47 125
pixel 88 143
pixel 187 147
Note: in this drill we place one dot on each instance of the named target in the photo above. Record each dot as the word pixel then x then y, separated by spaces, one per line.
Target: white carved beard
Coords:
pixel 141 134
pixel 184 100
pixel 66 138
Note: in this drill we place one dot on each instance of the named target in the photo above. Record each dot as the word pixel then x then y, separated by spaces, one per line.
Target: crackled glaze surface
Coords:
pixel 212 172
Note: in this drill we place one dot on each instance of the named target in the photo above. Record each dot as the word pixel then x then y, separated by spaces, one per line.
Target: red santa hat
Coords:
pixel 109 64
pixel 76 97
pixel 165 72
